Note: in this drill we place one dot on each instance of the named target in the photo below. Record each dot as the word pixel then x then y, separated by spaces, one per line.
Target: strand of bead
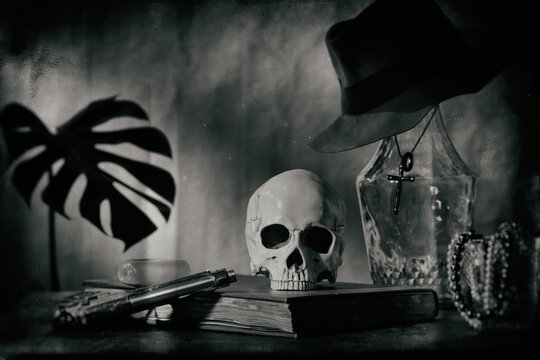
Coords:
pixel 487 298
pixel 507 234
pixel 455 249
pixel 471 271
pixel 497 252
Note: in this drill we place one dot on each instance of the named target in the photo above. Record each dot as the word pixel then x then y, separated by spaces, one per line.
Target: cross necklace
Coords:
pixel 407 162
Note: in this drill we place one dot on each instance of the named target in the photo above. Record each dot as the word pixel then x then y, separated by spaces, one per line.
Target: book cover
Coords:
pixel 250 306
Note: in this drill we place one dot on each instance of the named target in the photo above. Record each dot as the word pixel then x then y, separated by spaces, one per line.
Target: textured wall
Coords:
pixel 239 87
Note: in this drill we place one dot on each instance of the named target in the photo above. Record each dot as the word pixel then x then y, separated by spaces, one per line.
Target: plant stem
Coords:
pixel 53 267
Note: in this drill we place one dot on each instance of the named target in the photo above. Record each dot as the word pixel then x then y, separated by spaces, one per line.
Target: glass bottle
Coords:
pixel 409 248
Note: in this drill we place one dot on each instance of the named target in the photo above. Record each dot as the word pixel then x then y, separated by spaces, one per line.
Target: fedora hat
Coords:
pixel 394 62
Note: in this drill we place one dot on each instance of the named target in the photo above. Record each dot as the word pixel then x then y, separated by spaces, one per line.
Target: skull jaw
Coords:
pixel 292 285
pixel 290 279
pixel 294 279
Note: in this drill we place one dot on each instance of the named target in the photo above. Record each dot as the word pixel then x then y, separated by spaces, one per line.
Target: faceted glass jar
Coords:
pixel 409 248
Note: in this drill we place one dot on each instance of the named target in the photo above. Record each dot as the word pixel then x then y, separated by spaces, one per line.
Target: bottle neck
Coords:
pixel 432 149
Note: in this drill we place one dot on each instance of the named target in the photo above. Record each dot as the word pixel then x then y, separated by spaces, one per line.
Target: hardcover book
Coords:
pixel 250 306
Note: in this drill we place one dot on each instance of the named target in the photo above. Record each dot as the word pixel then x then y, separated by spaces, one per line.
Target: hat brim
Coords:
pixel 405 110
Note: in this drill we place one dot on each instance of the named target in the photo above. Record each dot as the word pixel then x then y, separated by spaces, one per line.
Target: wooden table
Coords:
pixel 26 332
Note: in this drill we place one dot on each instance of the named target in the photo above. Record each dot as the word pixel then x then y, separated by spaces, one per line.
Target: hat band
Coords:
pixel 394 80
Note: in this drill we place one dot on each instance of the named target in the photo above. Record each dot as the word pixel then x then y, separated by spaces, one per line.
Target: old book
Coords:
pixel 250 306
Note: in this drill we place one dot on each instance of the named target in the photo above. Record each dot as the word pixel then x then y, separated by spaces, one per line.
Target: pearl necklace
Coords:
pixel 494 267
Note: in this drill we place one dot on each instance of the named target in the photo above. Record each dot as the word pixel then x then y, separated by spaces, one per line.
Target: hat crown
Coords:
pixel 388 33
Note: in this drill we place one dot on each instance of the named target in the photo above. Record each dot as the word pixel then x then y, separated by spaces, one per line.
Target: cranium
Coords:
pixel 294 228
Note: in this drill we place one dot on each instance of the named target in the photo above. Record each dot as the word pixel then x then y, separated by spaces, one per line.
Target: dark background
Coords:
pixel 239 87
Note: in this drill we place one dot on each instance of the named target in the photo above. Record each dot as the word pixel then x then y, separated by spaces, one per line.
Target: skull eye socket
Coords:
pixel 319 239
pixel 274 236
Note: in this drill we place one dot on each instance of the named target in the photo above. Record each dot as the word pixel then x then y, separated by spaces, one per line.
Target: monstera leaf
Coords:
pixel 75 143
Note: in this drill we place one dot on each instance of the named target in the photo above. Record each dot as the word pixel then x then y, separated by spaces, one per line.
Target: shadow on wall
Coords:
pixel 239 88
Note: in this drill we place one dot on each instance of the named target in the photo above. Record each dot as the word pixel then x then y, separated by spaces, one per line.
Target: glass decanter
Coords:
pixel 409 248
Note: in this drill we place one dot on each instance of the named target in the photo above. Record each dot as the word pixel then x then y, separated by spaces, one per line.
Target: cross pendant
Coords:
pixel 406 165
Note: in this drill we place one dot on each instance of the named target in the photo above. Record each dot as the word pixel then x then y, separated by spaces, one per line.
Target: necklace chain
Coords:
pixel 407 163
pixel 435 110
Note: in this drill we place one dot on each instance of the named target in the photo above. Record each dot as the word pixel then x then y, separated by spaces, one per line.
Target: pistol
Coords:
pixel 89 307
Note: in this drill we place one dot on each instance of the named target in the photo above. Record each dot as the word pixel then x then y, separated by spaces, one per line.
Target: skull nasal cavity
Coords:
pixel 295 259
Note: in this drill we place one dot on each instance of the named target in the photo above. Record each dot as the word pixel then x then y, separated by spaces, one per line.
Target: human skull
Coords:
pixel 294 227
